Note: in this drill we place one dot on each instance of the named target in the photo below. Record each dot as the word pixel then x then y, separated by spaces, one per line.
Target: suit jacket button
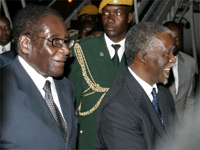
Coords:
pixel 81 131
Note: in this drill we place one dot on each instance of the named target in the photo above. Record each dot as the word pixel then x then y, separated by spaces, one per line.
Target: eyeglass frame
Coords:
pixel 69 42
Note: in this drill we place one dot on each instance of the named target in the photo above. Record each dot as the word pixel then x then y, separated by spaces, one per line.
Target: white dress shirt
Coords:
pixel 175 72
pixel 7 47
pixel 147 88
pixel 111 50
pixel 39 81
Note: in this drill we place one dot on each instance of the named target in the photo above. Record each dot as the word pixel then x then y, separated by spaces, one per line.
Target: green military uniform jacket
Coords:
pixel 92 79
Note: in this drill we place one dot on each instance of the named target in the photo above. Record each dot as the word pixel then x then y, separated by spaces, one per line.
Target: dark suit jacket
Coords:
pixel 127 119
pixel 7 57
pixel 26 122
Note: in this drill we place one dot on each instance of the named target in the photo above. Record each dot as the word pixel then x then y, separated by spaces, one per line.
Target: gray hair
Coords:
pixel 142 37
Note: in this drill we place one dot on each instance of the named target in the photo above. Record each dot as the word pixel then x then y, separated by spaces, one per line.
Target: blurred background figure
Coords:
pixel 182 80
pixel 88 13
pixel 189 135
pixel 85 28
pixel 95 32
pixel 7 52
pixel 5 34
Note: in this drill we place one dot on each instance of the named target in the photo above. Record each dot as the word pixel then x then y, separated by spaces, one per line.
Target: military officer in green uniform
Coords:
pixel 97 65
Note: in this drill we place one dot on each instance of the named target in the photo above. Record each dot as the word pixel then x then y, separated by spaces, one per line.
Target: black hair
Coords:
pixel 28 20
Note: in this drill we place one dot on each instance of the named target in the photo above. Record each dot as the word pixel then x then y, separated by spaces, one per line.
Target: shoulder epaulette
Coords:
pixel 85 38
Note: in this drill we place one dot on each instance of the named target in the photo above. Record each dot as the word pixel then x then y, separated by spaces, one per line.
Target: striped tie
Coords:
pixel 155 104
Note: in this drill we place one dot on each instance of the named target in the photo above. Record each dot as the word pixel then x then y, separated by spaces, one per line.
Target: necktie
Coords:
pixel 54 109
pixel 115 59
pixel 155 104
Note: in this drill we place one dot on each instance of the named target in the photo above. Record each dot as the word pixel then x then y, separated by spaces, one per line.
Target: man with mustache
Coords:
pixel 137 113
pixel 37 102
pixel 98 63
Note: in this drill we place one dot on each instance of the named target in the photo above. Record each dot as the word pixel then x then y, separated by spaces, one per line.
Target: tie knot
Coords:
pixel 116 46
pixel 47 87
pixel 153 92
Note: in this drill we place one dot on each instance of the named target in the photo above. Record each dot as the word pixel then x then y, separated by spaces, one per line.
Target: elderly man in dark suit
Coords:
pixel 136 113
pixel 37 103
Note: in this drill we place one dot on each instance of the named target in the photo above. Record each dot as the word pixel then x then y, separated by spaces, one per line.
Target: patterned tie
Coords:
pixel 155 104
pixel 115 59
pixel 54 109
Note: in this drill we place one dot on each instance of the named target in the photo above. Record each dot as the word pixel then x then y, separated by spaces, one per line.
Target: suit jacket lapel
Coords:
pixel 33 99
pixel 167 115
pixel 144 103
pixel 181 71
pixel 65 104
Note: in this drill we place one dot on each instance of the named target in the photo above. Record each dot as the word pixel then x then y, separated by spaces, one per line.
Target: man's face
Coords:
pixel 177 36
pixel 86 17
pixel 85 29
pixel 43 57
pixel 161 59
pixel 5 31
pixel 115 21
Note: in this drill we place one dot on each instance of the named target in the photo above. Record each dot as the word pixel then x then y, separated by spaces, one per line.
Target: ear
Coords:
pixel 141 56
pixel 24 43
pixel 130 17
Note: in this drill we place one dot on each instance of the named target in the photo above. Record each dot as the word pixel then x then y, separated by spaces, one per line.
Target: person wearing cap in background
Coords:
pixel 88 13
pixel 96 65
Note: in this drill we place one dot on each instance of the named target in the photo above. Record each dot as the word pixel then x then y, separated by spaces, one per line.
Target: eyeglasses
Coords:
pixel 57 42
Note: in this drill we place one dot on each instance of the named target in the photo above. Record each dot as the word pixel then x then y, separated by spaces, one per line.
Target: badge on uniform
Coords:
pixel 101 54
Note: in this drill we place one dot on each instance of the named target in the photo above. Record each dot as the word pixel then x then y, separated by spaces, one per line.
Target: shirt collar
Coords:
pixel 111 49
pixel 7 46
pixel 110 42
pixel 37 78
pixel 147 87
